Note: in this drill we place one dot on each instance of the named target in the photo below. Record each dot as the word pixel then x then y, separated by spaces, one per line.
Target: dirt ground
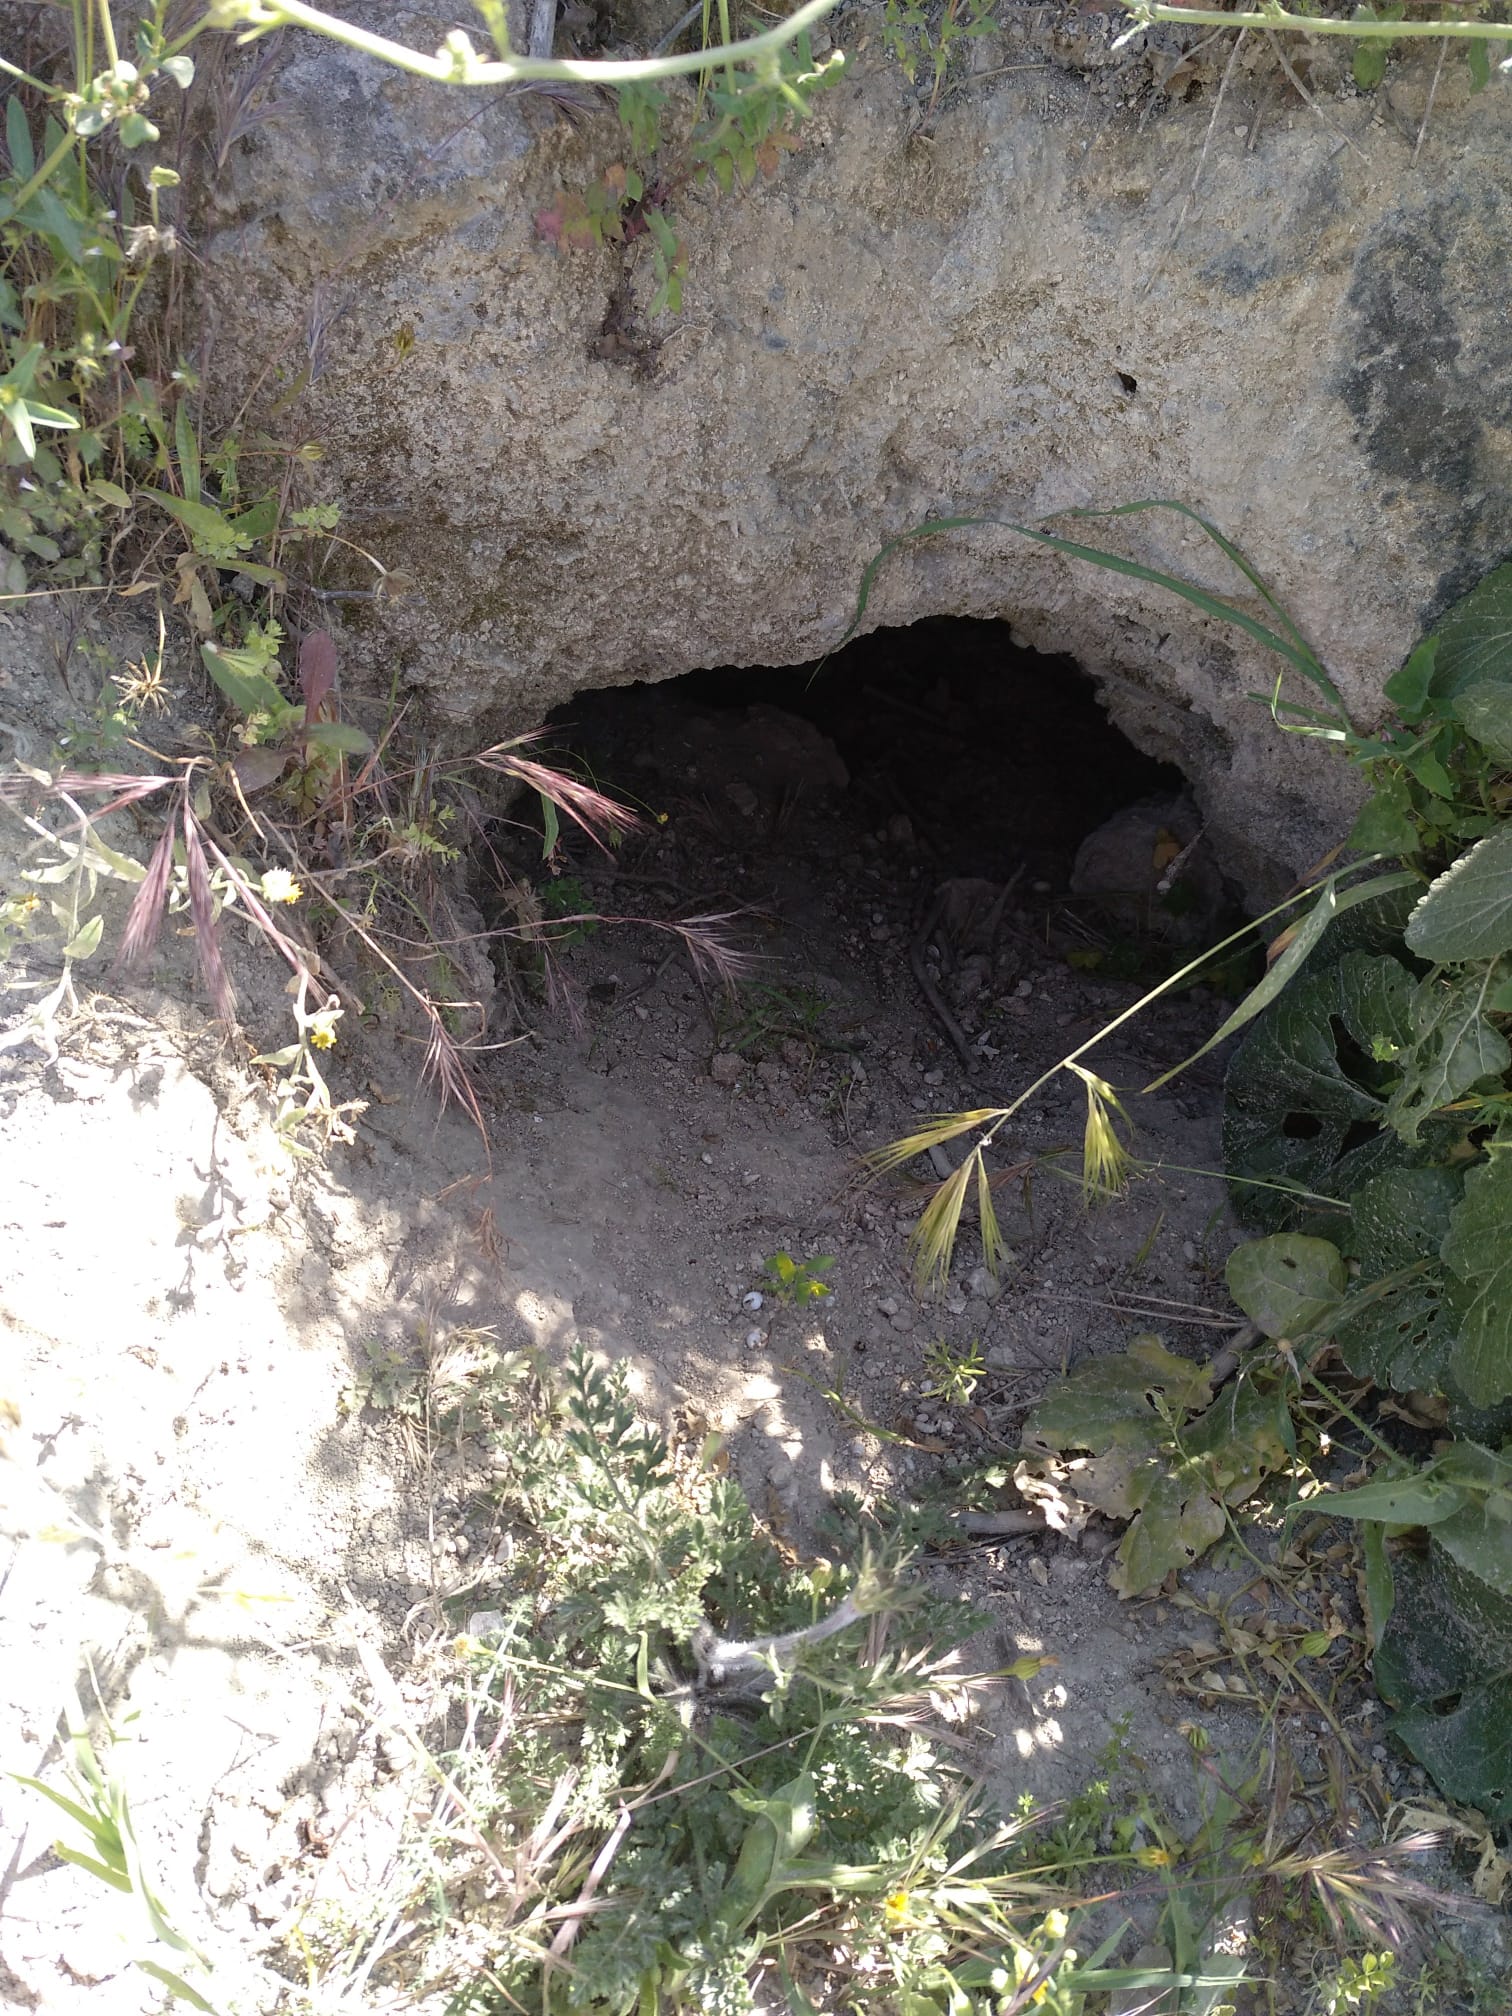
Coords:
pixel 198 1511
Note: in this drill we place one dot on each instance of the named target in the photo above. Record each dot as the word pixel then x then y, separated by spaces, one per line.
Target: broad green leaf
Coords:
pixel 258 521
pixel 1423 1500
pixel 1468 1753
pixel 1475 638
pixel 1107 1402
pixel 1369 63
pixel 1478 1251
pixel 1172 1531
pixel 1453 1047
pixel 110 493
pixel 1408 689
pixel 240 677
pixel 1479 58
pixel 1173 1491
pixel 1486 714
pixel 1305 937
pixel 18 141
pixel 339 735
pixel 203 522
pixel 1287 1283
pixel 1479 1537
pixel 1427 766
pixel 1396 1325
pixel 87 941
pixel 1306 1092
pixel 1467 912
pixel 1449 1641
pixel 1385 824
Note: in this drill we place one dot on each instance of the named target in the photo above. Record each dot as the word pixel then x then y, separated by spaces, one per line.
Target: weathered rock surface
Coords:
pixel 1067 289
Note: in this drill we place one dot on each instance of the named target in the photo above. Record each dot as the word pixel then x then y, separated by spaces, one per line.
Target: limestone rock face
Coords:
pixel 1065 289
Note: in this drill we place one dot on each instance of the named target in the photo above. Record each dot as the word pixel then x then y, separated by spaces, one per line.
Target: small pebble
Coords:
pixel 724 1068
pixel 888 1306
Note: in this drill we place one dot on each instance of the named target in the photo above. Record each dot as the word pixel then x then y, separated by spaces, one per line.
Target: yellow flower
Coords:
pixel 321 1029
pixel 895 1910
pixel 279 886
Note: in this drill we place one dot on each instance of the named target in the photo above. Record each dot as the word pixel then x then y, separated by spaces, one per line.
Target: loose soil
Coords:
pixel 205 1523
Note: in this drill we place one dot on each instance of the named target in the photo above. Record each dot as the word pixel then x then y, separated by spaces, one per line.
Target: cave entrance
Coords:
pixel 905 825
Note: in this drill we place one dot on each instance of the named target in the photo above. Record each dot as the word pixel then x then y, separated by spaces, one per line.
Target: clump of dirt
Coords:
pixel 217 1510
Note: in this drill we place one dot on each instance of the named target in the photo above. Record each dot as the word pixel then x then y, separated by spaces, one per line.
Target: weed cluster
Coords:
pixel 692 1771
pixel 1367 1133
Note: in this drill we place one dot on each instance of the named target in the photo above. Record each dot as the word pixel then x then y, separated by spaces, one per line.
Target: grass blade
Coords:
pixel 881 1161
pixel 1304 938
pixel 1291 645
pixel 202 912
pixel 148 906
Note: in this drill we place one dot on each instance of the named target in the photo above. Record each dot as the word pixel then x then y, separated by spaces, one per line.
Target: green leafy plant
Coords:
pixel 798 1283
pixel 694 1774
pixel 930 38
pixel 957 1374
pixel 98 1805
pixel 1367 1125
pixel 758 1015
pixel 1161 1452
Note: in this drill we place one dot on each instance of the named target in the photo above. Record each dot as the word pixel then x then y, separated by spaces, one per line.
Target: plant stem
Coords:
pixel 1273 19
pixel 459 63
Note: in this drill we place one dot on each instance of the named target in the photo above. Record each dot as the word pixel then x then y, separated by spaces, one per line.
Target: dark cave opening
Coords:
pixel 998 758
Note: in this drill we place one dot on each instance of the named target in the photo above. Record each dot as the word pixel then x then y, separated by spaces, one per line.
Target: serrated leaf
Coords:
pixel 1478 1252
pixel 1453 1047
pixel 1475 638
pixel 1467 912
pixel 1485 711
pixel 1286 1283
